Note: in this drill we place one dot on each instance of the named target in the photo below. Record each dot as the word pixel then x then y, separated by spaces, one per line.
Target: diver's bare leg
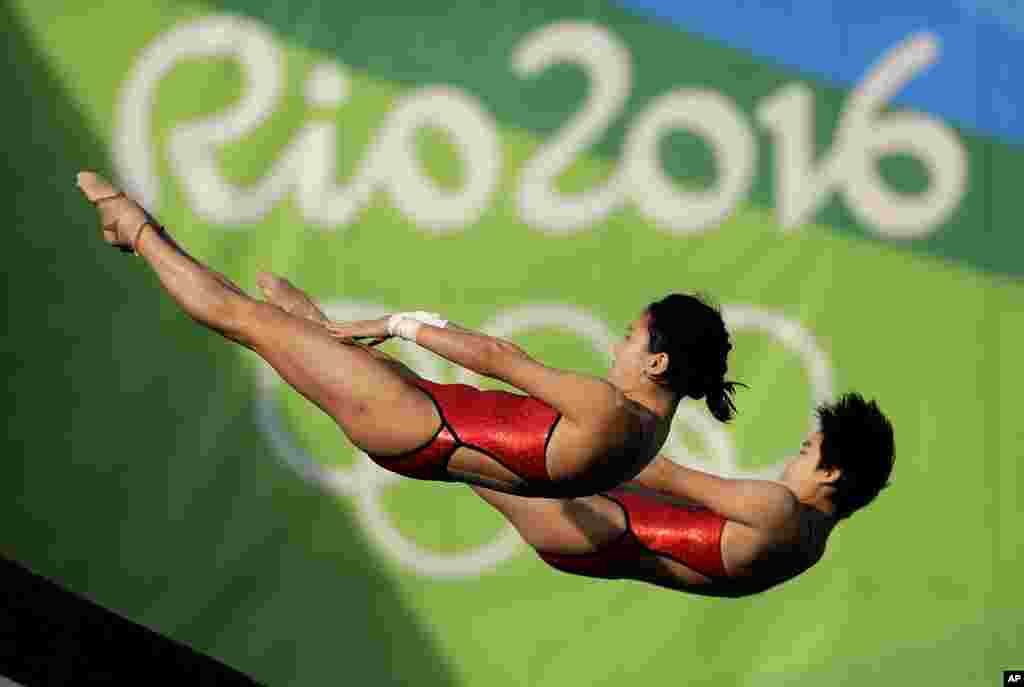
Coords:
pixel 292 299
pixel 562 526
pixel 379 410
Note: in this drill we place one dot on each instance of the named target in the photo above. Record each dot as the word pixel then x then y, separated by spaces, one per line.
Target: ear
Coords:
pixel 657 364
pixel 831 476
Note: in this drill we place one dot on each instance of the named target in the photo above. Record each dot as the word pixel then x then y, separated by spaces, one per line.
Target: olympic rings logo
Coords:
pixel 364 481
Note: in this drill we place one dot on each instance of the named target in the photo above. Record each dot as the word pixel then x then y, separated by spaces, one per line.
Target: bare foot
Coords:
pixel 121 217
pixel 288 297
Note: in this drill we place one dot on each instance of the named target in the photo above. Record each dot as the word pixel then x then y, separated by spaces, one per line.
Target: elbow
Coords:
pixel 493 354
pixel 489 357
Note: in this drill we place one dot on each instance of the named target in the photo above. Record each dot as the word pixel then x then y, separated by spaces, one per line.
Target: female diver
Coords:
pixel 688 530
pixel 571 435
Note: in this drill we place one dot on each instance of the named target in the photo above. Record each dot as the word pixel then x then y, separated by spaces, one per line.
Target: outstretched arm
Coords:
pixel 472 350
pixel 582 399
pixel 759 504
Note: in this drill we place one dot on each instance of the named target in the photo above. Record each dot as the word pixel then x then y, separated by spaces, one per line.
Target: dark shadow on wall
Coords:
pixel 54 637
pixel 133 472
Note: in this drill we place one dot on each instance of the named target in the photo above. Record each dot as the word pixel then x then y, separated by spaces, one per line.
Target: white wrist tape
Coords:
pixel 405 325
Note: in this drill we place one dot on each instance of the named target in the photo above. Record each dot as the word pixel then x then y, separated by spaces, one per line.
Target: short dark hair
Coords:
pixel 857 439
pixel 693 334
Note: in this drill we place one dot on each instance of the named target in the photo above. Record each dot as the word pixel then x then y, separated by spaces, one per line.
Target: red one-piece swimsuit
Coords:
pixel 690 535
pixel 513 429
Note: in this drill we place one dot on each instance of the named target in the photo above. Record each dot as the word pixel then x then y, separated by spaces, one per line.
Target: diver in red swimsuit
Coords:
pixel 596 432
pixel 518 443
pixel 571 435
pixel 671 526
pixel 688 530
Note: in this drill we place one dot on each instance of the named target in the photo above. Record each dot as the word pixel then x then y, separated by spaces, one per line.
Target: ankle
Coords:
pixel 145 233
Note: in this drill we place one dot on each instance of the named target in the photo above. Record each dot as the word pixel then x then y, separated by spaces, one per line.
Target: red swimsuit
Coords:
pixel 514 430
pixel 690 535
pixel 511 428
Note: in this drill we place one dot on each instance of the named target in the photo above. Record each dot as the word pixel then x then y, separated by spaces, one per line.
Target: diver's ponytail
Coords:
pixel 695 337
pixel 719 400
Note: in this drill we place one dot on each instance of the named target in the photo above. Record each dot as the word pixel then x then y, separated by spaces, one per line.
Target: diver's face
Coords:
pixel 630 355
pixel 804 466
